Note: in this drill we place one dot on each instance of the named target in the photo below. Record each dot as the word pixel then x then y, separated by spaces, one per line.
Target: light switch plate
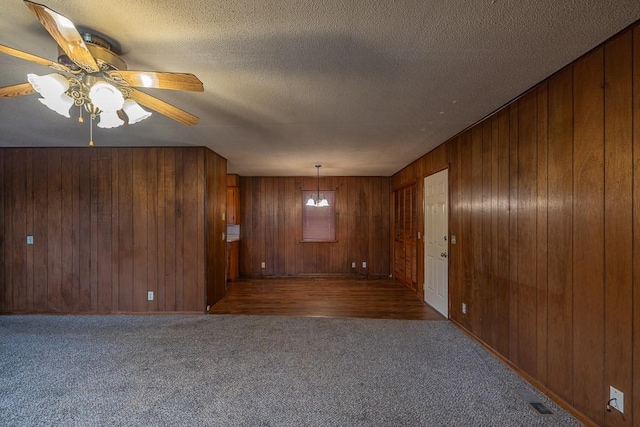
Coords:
pixel 150 296
pixel 618 403
pixel 29 240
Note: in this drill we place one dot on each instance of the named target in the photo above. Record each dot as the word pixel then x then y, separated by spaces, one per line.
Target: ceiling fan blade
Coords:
pixel 66 35
pixel 157 79
pixel 163 108
pixel 16 90
pixel 33 58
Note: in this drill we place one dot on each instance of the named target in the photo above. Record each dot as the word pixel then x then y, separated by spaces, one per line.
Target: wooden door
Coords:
pixel 405 228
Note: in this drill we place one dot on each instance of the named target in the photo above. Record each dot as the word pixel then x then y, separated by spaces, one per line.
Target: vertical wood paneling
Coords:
pixel 152 227
pixel 104 235
pixel 84 213
pixel 489 290
pixel 3 243
pixel 588 235
pixel 501 317
pixel 560 235
pixel 140 231
pixel 97 216
pixel 635 397
pixel 125 230
pixel 179 252
pixel 526 233
pixel 115 242
pixel 618 224
pixel 271 227
pixel 19 227
pixel 478 275
pixel 513 232
pixel 40 230
pixel 465 237
pixel 170 212
pixel 541 206
pixel 28 214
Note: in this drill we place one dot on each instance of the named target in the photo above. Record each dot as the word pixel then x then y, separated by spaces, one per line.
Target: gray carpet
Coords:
pixel 253 371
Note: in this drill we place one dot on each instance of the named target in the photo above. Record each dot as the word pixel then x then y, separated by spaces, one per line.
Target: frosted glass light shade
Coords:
pixel 50 85
pixel 61 104
pixel 311 202
pixel 323 203
pixel 109 119
pixel 134 111
pixel 106 97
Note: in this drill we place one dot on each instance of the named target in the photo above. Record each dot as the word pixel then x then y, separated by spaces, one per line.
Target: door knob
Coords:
pixel 443 254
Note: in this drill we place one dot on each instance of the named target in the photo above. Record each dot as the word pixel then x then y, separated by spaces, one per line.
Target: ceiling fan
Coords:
pixel 96 78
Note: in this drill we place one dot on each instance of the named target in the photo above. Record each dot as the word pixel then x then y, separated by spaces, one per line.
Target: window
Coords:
pixel 319 223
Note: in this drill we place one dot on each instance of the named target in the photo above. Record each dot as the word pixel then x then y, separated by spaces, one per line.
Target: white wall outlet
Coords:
pixel 150 296
pixel 464 308
pixel 364 264
pixel 263 264
pixel 29 240
pixel 617 399
pixel 353 265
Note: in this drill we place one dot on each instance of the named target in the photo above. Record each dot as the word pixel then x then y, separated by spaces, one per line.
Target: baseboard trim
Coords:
pixel 534 382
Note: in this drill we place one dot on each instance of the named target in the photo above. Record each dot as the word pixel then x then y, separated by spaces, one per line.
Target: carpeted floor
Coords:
pixel 230 370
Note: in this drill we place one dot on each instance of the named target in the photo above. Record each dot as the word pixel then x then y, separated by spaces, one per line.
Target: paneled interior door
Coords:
pixel 405 227
pixel 436 243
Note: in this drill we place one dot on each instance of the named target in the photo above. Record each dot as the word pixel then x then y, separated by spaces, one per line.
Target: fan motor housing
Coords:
pixel 101 51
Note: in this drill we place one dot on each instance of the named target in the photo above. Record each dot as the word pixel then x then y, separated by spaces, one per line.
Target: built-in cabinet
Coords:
pixel 233 200
pixel 405 236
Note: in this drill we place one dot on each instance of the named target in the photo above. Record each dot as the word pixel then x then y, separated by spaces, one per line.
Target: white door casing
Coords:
pixel 436 241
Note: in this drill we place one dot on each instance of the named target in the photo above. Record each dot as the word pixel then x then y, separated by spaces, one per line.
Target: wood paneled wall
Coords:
pixel 545 204
pixel 271 229
pixel 109 224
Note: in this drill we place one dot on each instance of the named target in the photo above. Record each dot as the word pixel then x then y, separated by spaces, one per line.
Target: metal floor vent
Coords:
pixel 534 401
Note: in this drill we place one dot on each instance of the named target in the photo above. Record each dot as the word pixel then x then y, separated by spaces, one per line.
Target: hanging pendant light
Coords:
pixel 318 200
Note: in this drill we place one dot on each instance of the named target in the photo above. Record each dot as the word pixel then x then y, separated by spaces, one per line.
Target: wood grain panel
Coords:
pixel 125 230
pixel 478 272
pixel 271 227
pixel 3 244
pixel 152 227
pixel 465 237
pixel 100 218
pixel 513 232
pixel 618 224
pixel 636 226
pixel 487 230
pixel 541 206
pixel 526 231
pixel 501 322
pixel 40 230
pixel 560 236
pixel 564 202
pixel 588 236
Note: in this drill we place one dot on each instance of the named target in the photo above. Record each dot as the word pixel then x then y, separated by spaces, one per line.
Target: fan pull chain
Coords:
pixel 80 119
pixel 93 116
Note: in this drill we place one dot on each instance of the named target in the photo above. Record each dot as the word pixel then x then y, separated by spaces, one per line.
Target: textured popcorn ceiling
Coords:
pixel 361 87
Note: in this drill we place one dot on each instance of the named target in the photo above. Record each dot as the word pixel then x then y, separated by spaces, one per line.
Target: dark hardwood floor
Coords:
pixel 324 297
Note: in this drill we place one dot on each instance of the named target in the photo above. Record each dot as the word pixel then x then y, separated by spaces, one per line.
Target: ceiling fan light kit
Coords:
pixel 99 80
